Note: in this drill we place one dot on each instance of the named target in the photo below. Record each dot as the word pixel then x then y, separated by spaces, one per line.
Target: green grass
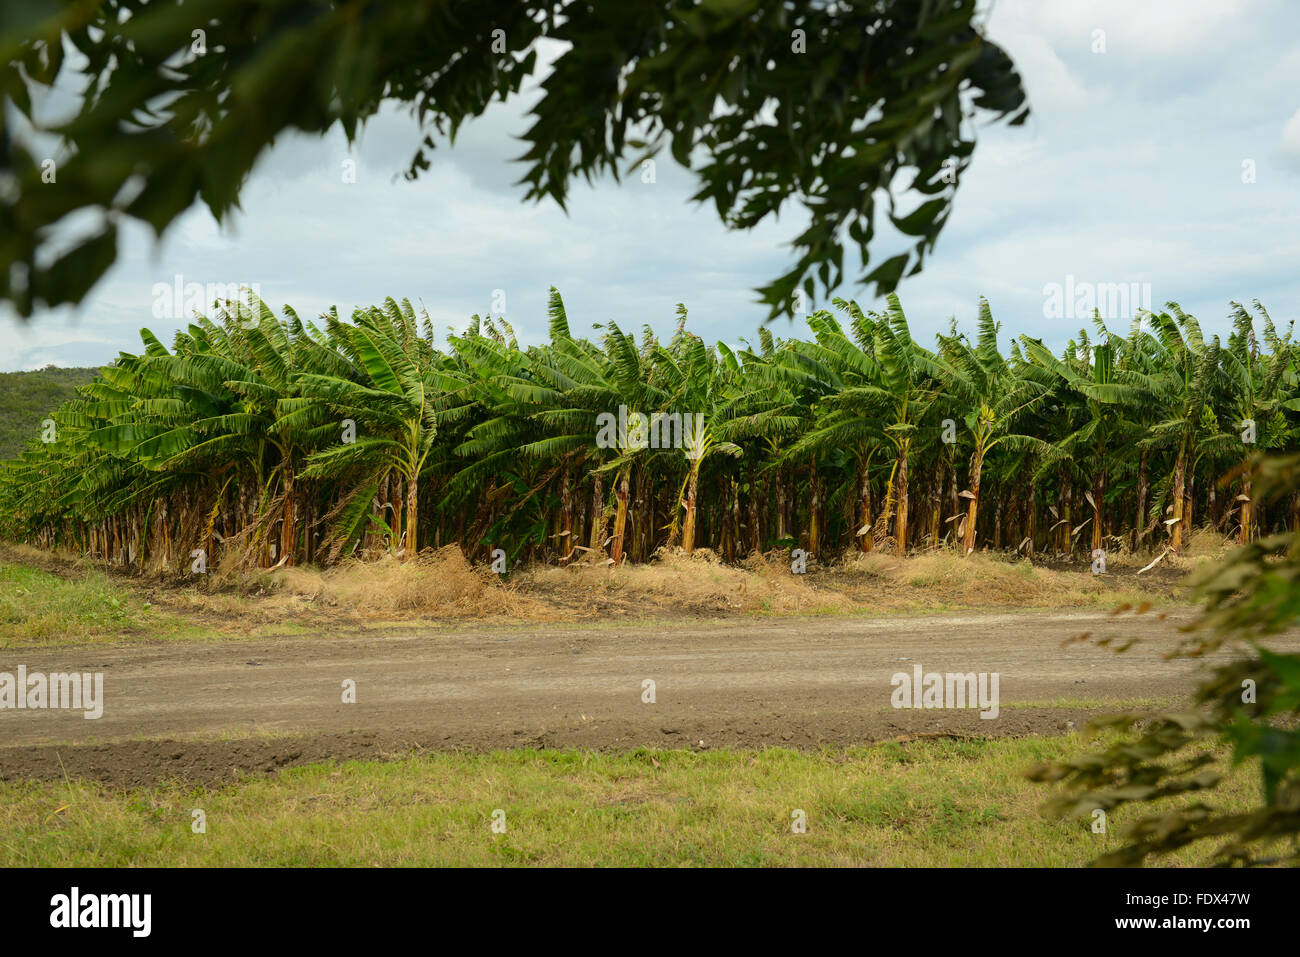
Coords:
pixel 920 803
pixel 1149 703
pixel 27 398
pixel 39 608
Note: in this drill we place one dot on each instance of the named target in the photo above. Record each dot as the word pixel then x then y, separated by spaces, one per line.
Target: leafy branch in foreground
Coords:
pixel 820 104
pixel 1251 704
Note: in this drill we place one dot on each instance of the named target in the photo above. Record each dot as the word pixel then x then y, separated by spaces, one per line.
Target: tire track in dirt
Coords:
pixel 209 712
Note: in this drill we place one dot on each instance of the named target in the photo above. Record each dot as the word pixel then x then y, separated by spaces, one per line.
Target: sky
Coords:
pixel 1162 156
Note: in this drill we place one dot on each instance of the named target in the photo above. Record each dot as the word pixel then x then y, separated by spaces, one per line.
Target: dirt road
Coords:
pixel 205 712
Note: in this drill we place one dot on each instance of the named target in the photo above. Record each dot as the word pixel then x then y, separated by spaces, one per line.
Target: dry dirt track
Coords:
pixel 205 712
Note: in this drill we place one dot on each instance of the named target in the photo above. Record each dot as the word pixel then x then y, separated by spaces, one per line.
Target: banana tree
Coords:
pixel 902 395
pixel 1255 393
pixel 990 395
pixel 1175 378
pixel 830 365
pixel 390 396
pixel 1090 379
pixel 693 388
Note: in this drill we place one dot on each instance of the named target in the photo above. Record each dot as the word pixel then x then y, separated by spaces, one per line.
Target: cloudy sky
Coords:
pixel 1164 150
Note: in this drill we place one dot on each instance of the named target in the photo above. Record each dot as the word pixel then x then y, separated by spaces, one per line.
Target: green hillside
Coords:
pixel 28 397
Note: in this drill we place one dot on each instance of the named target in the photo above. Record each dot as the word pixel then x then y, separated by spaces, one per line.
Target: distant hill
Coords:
pixel 28 397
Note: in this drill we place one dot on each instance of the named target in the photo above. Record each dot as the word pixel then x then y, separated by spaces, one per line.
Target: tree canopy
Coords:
pixel 832 106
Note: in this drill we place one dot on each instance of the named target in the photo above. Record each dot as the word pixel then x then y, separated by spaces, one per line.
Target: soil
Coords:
pixel 209 713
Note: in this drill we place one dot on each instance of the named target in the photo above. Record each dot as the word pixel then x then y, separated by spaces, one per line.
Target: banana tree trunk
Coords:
pixel 412 516
pixel 887 512
pixel 781 528
pixel 1141 520
pixel 900 524
pixel 688 524
pixel 597 515
pixel 866 541
pixel 397 516
pixel 564 533
pixel 936 503
pixel 167 533
pixel 288 528
pixel 733 547
pixel 309 525
pixel 1031 518
pixel 620 515
pixel 997 522
pixel 1246 510
pixel 1064 537
pixel 642 520
pixel 954 496
pixel 972 508
pixel 1180 475
pixel 1098 490
pixel 814 511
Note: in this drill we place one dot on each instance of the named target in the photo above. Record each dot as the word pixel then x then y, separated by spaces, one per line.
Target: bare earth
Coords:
pixel 208 712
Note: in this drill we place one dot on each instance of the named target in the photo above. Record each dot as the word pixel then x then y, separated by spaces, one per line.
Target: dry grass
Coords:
pixel 700 582
pixel 1200 547
pixel 57 598
pixel 439 584
pixel 980 580
pixel 1207 543
pixel 442 586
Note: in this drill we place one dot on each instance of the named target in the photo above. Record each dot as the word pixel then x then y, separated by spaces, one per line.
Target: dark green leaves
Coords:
pixel 768 102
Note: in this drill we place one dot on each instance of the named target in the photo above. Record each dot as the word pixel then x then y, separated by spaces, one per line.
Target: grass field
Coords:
pixel 38 607
pixel 920 803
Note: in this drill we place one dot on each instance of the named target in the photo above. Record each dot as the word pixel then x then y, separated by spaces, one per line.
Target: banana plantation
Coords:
pixel 267 440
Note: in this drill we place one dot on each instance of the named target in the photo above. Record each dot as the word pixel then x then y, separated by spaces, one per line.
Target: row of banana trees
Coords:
pixel 266 440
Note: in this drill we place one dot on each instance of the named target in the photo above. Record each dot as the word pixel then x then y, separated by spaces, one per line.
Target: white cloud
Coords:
pixel 1054 87
pixel 1150 27
pixel 1291 136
